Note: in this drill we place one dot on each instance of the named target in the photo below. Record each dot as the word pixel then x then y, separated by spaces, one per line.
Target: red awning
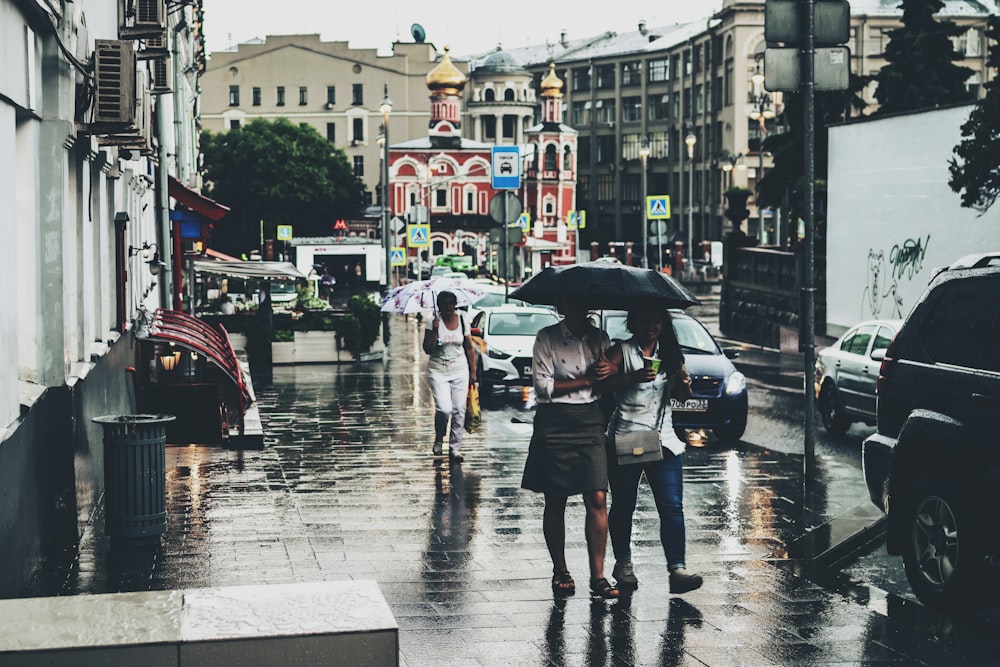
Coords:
pixel 174 326
pixel 196 201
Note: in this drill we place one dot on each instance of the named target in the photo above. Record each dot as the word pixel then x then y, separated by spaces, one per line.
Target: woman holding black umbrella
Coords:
pixel 567 451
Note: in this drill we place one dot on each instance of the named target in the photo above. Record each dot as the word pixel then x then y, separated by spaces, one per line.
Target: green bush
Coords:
pixel 358 329
pixel 284 336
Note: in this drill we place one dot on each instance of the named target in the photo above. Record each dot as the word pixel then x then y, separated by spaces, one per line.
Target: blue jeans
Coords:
pixel 666 480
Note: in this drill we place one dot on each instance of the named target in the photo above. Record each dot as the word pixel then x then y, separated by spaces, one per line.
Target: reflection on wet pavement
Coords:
pixel 347 489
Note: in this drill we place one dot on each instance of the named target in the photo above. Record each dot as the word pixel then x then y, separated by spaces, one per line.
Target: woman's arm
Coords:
pixel 470 354
pixel 616 357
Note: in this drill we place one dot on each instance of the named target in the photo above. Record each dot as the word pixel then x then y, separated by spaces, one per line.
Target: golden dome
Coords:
pixel 552 85
pixel 446 78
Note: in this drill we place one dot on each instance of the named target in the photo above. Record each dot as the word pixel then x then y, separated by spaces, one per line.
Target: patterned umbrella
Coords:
pixel 421 295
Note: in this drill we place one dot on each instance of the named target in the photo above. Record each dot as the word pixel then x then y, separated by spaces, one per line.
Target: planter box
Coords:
pixel 318 347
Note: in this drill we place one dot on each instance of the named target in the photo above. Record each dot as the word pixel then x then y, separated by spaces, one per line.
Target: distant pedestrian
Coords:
pixel 358 271
pixel 567 451
pixel 326 284
pixel 642 397
pixel 227 307
pixel 451 370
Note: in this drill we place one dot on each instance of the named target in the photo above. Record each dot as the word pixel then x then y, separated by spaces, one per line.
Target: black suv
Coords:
pixel 934 464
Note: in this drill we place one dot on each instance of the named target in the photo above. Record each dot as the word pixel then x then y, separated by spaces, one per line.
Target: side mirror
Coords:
pixel 731 352
pixel 878 355
pixel 476 331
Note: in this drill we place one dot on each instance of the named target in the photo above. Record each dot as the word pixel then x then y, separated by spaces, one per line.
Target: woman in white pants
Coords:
pixel 451 370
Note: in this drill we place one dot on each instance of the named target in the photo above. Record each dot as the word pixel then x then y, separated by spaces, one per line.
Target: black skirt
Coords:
pixel 567 452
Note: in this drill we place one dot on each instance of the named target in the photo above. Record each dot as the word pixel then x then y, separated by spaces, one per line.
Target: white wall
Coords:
pixel 892 217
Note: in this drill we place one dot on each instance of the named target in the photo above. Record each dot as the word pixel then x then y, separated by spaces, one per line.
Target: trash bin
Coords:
pixel 135 477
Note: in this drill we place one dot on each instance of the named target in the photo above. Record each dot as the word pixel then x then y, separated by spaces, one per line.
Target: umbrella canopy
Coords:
pixel 421 295
pixel 604 285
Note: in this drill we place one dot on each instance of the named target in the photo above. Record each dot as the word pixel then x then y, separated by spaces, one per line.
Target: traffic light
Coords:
pixel 785 30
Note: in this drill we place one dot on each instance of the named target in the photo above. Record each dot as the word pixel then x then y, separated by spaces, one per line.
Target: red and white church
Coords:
pixel 444 179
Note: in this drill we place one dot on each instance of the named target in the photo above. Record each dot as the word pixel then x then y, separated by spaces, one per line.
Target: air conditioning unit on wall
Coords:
pixel 141 18
pixel 114 83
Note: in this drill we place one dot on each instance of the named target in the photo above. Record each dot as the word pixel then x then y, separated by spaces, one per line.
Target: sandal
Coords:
pixel 601 588
pixel 563 584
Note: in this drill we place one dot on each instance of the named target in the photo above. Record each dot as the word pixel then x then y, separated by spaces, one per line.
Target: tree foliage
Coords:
pixel 920 72
pixel 278 172
pixel 975 169
pixel 788 148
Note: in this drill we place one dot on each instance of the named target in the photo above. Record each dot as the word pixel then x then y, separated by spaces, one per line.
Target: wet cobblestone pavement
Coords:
pixel 347 489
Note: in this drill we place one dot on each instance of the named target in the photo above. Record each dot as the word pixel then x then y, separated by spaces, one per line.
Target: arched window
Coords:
pixel 508 95
pixel 567 159
pixel 489 95
pixel 551 161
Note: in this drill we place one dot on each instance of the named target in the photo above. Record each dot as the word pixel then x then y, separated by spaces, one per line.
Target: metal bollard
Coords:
pixel 135 477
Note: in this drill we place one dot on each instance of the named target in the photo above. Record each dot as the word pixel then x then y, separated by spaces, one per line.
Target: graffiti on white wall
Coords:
pixel 881 298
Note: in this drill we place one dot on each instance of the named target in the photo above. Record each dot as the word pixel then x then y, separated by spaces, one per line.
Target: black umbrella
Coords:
pixel 604 285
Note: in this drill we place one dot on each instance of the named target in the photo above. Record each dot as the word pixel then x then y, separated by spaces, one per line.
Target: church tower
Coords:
pixel 446 84
pixel 550 181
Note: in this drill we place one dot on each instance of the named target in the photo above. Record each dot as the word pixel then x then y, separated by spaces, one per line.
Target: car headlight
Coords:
pixel 736 384
pixel 494 353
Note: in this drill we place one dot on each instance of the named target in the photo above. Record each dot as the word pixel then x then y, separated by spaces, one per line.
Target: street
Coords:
pixel 347 490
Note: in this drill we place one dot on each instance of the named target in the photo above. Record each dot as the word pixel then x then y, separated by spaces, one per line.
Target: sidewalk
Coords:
pixel 347 490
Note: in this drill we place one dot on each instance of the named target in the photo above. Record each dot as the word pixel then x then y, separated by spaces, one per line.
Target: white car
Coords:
pixel 509 334
pixel 846 373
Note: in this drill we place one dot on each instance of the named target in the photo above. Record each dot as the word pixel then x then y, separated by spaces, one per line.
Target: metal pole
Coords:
pixel 760 175
pixel 505 255
pixel 690 236
pixel 645 221
pixel 808 288
pixel 385 203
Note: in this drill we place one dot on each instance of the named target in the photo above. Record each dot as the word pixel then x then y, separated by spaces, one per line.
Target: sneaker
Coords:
pixel 624 574
pixel 682 582
pixel 437 448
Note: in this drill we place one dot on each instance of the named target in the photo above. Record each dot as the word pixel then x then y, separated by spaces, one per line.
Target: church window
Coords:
pixel 489 95
pixel 550 158
pixel 567 159
pixel 508 95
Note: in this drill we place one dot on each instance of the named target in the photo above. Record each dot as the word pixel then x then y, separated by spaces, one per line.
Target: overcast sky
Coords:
pixel 378 23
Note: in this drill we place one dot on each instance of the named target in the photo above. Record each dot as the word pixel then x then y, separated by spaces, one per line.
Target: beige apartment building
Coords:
pixel 335 88
pixel 662 91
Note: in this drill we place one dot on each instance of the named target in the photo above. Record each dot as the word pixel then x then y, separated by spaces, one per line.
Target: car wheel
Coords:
pixel 834 420
pixel 942 546
pixel 732 431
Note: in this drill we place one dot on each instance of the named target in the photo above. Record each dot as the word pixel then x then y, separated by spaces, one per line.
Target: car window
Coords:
pixel 858 343
pixel 957 329
pixel 519 324
pixel 693 337
pixel 616 327
pixel 882 339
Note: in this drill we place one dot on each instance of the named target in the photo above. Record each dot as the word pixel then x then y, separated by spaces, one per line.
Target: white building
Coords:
pixel 88 142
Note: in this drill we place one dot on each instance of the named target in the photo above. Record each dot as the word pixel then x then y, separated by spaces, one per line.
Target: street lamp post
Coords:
pixel 385 107
pixel 644 156
pixel 761 110
pixel 690 140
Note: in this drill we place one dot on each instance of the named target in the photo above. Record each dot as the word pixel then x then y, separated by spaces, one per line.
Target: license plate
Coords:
pixel 527 370
pixel 690 405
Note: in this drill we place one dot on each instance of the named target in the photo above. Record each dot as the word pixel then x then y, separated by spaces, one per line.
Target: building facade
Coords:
pixel 98 109
pixel 696 87
pixel 334 88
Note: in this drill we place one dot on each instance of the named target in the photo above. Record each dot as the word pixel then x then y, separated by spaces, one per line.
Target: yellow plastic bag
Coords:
pixel 473 414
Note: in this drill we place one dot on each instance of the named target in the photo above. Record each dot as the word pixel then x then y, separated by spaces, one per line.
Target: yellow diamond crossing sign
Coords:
pixel 397 256
pixel 658 207
pixel 418 236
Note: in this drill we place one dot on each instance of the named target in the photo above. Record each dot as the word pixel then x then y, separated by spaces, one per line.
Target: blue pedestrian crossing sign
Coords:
pixel 576 220
pixel 397 256
pixel 418 236
pixel 506 168
pixel 658 207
